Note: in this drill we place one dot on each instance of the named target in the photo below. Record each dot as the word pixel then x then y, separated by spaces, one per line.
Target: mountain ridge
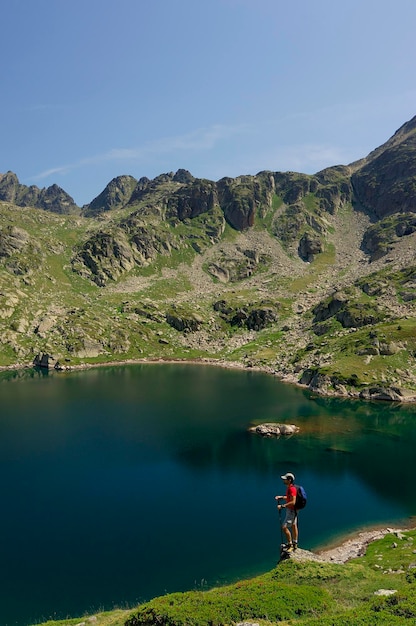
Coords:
pixel 11 190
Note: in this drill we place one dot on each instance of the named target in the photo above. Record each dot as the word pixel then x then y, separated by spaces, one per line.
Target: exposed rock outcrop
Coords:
pixel 184 321
pixel 358 314
pixel 195 198
pixel 240 264
pixel 237 200
pixel 329 307
pixel 380 238
pixel 12 239
pixel 104 256
pixel 293 186
pixel 252 316
pixel 157 188
pixel 20 254
pixel 349 313
pixel 309 246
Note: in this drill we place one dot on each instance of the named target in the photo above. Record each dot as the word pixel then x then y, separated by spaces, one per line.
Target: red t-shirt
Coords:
pixel 290 494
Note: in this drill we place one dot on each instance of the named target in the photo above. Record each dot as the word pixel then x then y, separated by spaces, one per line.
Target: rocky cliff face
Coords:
pixel 171 199
pixel 191 200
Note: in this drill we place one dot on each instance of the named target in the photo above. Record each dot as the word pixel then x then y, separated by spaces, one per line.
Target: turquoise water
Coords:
pixel 122 483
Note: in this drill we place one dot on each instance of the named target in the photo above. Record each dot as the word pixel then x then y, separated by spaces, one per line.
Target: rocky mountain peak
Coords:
pixel 9 185
pixel 384 181
pixel 183 176
pixel 52 198
pixel 115 195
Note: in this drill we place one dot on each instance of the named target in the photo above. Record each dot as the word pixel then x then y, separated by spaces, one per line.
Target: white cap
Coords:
pixel 287 476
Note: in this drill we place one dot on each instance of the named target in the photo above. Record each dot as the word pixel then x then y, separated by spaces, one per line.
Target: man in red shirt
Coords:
pixel 290 523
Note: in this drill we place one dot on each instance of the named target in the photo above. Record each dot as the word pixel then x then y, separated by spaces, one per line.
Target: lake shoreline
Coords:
pixel 354 544
pixel 289 379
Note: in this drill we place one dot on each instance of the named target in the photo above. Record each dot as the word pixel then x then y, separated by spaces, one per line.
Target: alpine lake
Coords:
pixel 123 483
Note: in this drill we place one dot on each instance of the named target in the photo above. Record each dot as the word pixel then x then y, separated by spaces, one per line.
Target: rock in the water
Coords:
pixel 274 429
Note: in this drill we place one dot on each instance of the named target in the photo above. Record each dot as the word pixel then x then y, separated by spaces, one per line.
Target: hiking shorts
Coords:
pixel 290 517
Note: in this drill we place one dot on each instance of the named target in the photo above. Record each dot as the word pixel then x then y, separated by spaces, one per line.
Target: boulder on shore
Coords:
pixel 392 394
pixel 272 429
pixel 45 361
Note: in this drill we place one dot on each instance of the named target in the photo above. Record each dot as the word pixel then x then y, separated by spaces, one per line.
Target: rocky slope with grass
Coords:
pixel 310 277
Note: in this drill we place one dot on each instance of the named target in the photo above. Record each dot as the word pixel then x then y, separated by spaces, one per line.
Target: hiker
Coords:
pixel 290 522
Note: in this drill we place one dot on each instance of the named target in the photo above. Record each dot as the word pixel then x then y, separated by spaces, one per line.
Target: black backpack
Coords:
pixel 301 498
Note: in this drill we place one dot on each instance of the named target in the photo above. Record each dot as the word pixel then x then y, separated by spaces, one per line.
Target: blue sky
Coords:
pixel 92 89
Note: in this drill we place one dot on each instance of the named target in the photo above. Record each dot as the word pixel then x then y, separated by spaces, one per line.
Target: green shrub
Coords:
pixel 263 598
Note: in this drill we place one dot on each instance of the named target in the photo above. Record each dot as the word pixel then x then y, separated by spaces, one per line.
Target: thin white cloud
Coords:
pixel 198 140
pixel 64 169
pixel 308 158
pixel 312 157
pixel 202 139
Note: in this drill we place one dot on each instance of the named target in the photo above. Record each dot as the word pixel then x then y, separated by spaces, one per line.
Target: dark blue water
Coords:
pixel 120 484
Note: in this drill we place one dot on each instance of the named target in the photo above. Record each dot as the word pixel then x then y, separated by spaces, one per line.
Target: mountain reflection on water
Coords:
pixel 122 483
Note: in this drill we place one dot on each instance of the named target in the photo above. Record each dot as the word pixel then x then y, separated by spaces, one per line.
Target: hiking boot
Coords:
pixel 287 547
pixel 295 545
